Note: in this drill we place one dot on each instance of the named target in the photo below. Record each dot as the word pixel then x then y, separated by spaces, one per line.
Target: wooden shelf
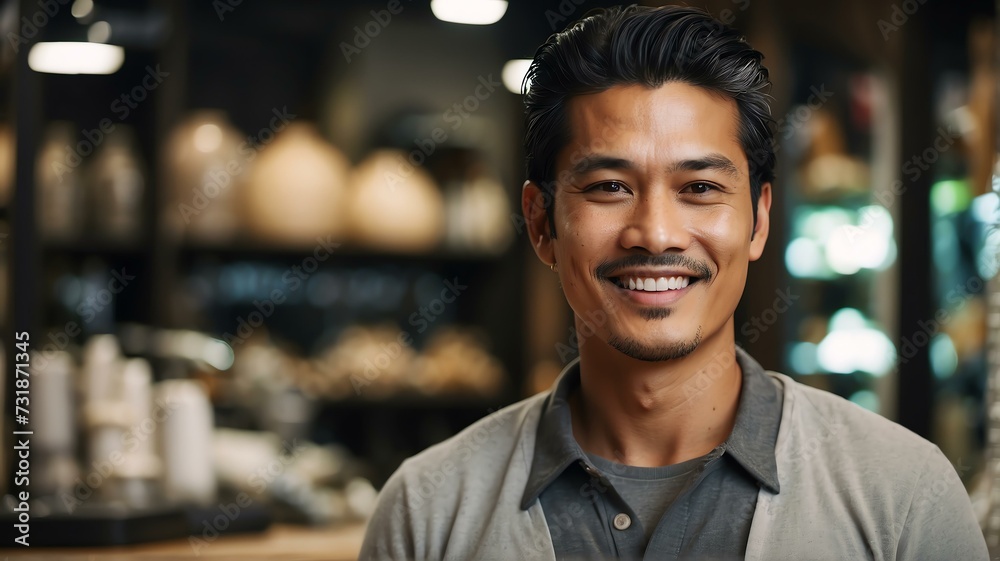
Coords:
pixel 353 255
pixel 96 248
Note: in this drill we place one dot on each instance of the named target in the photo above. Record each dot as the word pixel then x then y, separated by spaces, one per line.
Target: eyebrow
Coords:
pixel 596 162
pixel 715 161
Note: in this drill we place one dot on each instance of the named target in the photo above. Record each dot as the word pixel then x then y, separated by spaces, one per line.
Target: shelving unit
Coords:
pixel 382 431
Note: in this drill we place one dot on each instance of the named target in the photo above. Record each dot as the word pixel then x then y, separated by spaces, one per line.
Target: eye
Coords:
pixel 608 187
pixel 700 187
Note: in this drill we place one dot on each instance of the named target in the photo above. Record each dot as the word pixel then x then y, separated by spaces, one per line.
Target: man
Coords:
pixel 650 160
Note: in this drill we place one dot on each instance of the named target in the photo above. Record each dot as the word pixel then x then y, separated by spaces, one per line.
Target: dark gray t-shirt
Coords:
pixel 648 491
pixel 700 509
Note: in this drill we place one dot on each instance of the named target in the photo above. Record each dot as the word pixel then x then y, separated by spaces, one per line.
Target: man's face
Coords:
pixel 653 217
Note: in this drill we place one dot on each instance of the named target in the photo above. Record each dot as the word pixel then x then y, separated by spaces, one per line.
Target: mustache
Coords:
pixel 608 268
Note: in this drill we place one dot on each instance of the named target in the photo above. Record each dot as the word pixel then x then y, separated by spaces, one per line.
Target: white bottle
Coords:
pixel 53 422
pixel 186 442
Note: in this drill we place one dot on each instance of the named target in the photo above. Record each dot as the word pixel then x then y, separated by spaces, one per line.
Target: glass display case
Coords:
pixel 840 224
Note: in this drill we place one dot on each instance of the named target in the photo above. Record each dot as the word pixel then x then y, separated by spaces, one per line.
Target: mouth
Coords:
pixel 657 280
pixel 642 283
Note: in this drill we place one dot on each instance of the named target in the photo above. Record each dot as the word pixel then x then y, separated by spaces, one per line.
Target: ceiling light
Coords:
pixel 514 72
pixel 82 8
pixel 76 58
pixel 471 12
pixel 99 32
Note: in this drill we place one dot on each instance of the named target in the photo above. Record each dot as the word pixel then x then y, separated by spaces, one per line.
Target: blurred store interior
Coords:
pixel 265 251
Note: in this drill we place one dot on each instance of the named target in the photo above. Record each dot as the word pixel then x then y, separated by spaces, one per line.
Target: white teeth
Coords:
pixel 656 285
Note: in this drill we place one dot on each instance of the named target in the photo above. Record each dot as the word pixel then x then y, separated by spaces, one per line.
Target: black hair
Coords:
pixel 647 46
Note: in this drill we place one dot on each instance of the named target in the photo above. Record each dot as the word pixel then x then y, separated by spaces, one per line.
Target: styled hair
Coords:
pixel 650 47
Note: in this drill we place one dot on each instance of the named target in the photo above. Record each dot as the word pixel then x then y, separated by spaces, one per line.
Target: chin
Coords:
pixel 655 352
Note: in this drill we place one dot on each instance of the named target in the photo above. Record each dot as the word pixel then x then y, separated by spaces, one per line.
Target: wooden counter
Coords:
pixel 293 543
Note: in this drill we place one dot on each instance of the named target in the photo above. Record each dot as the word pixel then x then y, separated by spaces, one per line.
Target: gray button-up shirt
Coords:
pixel 698 509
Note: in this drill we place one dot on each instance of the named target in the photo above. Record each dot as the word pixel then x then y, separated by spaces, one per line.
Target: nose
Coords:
pixel 657 224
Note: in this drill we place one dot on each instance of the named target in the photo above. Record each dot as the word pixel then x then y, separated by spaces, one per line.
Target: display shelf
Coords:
pixel 386 436
pixel 238 250
pixel 174 269
pixel 83 247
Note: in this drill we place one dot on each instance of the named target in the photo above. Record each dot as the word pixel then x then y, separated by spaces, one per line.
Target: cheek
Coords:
pixel 584 229
pixel 585 235
pixel 726 238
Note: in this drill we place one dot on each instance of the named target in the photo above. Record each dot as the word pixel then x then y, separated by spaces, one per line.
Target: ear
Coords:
pixel 534 204
pixel 763 226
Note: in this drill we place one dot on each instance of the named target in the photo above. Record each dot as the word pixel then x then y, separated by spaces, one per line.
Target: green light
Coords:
pixel 950 196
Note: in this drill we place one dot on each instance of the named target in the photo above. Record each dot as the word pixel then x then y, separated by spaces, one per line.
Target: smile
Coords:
pixel 650 284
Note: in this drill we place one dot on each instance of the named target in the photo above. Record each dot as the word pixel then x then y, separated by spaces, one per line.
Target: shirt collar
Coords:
pixel 751 443
pixel 758 415
pixel 555 446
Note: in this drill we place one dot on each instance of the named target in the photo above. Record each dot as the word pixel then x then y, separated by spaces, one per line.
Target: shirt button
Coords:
pixel 622 521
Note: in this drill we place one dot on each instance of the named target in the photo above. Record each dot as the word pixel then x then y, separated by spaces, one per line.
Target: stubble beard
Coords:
pixel 634 349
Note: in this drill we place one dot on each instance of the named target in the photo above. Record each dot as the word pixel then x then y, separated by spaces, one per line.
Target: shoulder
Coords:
pixel 853 480
pixel 418 508
pixel 822 418
pixel 860 463
pixel 483 442
pixel 472 461
pixel 856 458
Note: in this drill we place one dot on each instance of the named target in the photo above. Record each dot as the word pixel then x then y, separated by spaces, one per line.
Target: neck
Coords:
pixel 651 414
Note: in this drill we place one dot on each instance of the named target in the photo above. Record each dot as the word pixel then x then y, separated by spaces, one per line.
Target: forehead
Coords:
pixel 673 121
